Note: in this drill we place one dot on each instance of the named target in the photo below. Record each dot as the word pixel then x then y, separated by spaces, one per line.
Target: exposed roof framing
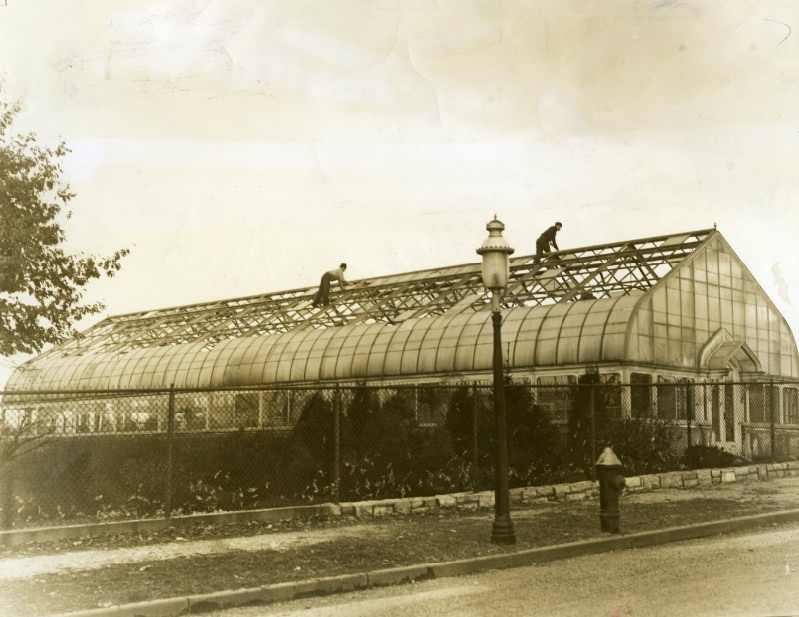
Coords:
pixel 600 271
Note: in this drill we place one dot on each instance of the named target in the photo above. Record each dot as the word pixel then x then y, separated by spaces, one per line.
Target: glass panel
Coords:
pixel 429 347
pixel 659 303
pixel 790 398
pixel 379 349
pixel 640 395
pixel 396 348
pixel 547 350
pixel 311 367
pixel 701 307
pixel 330 359
pixel 661 348
pixel 726 312
pixel 413 344
pixel 557 397
pixel 450 341
pixel 712 262
pixel 590 348
pixel 673 301
pixel 567 350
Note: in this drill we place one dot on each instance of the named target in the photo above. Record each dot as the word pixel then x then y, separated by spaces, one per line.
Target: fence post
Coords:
pixel 170 435
pixel 689 412
pixel 336 446
pixel 9 511
pixel 772 427
pixel 592 414
pixel 475 438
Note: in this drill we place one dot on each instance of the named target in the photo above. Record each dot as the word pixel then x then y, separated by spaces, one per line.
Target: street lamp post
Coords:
pixel 495 252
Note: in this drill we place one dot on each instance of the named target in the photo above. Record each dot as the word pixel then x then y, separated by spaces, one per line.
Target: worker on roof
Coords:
pixel 322 297
pixel 547 239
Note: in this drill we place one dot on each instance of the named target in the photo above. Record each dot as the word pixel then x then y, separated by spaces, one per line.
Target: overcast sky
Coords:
pixel 240 147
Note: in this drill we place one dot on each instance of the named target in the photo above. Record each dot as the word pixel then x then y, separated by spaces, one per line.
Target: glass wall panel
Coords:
pixel 790 397
pixel 313 364
pixel 674 398
pixel 225 351
pixel 726 314
pixel 547 350
pixel 661 350
pixel 131 365
pixel 484 348
pixel 590 348
pixel 644 322
pixel 659 305
pixel 409 364
pixel 206 368
pixel 452 337
pixel 349 347
pixel 701 306
pixel 360 361
pixel 700 268
pixel 640 395
pixel 547 344
pixel 674 305
pixel 299 363
pixel 258 354
pixel 568 350
pixel 428 349
pixel 529 328
pixel 327 370
pixel 396 349
pixel 557 397
pixel 271 362
pixel 380 346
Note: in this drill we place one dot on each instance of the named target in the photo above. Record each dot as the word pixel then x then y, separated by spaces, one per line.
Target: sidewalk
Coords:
pixel 164 573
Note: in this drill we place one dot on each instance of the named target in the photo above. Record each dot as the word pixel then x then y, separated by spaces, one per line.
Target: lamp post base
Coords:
pixel 502 532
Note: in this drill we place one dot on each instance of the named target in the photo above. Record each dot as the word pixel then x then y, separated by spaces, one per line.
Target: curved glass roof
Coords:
pixel 574 307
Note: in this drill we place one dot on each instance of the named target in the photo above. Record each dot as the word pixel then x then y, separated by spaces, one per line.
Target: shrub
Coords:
pixel 702 457
pixel 645 445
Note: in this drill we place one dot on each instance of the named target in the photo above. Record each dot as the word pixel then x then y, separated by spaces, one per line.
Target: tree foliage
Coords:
pixel 41 284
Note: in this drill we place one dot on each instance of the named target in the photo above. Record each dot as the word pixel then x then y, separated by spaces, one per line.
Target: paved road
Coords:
pixel 745 575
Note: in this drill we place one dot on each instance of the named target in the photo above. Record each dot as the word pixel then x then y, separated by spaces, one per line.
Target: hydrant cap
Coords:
pixel 608 458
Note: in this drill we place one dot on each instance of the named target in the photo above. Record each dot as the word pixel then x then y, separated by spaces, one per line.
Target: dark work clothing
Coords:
pixel 548 237
pixel 322 297
pixel 543 242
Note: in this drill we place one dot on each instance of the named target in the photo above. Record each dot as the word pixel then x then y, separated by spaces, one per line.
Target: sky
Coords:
pixel 240 147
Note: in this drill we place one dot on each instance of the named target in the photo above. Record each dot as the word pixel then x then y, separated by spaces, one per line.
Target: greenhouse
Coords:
pixel 665 347
pixel 679 306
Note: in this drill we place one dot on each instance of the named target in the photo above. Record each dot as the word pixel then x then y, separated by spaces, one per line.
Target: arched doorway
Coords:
pixel 735 363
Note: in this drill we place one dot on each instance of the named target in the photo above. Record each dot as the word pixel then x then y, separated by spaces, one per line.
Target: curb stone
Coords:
pixel 267 594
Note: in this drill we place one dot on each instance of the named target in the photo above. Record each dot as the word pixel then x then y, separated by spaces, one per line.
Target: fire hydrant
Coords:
pixel 611 484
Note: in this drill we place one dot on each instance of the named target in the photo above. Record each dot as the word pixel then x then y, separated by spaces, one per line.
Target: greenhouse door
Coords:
pixel 723 412
pixel 729 427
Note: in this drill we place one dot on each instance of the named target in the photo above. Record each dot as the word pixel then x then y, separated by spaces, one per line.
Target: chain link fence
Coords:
pixel 109 455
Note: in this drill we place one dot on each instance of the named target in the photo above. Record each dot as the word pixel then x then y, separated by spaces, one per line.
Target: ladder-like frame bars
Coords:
pixel 601 271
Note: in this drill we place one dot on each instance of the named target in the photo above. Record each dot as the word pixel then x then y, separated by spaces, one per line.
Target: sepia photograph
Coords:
pixel 399 307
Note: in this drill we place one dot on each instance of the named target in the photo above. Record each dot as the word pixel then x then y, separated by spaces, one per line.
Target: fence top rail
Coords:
pixel 8 395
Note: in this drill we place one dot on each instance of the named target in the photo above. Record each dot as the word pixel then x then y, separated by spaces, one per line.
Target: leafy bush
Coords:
pixel 703 457
pixel 645 445
pixel 534 450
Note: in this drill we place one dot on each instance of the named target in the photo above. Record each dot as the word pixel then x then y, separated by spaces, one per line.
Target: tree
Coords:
pixel 41 285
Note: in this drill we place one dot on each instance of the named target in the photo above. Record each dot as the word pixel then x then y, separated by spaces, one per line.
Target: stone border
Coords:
pixel 574 491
